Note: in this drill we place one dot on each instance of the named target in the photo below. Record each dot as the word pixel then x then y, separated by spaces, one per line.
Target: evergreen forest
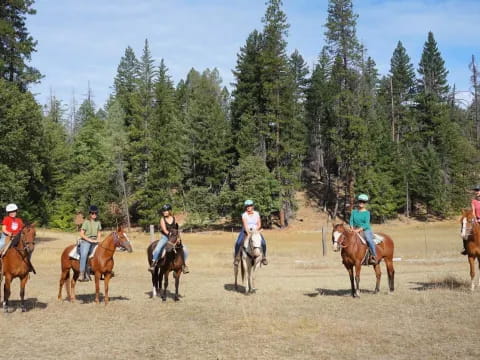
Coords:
pixel 334 129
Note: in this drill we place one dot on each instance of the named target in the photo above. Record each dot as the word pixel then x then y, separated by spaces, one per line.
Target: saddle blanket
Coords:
pixel 377 239
pixel 74 254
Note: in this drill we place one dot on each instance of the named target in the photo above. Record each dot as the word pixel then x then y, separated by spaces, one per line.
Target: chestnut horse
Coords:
pixel 354 251
pixel 16 263
pixel 174 260
pixel 101 264
pixel 471 234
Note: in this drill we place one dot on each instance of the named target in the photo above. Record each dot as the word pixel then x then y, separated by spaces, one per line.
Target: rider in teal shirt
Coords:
pixel 360 221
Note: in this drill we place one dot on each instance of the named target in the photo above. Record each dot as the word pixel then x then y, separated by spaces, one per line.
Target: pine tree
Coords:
pixel 433 75
pixel 16 45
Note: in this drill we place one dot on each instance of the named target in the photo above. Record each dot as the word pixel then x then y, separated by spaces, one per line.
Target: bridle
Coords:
pixel 466 231
pixel 117 242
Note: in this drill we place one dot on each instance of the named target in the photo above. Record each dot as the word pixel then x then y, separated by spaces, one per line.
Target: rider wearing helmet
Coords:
pixel 167 223
pixel 251 221
pixel 11 225
pixel 475 211
pixel 90 234
pixel 360 221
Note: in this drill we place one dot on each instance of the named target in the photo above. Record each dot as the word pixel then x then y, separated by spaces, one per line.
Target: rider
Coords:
pixel 90 233
pixel 11 225
pixel 360 221
pixel 167 223
pixel 475 211
pixel 251 221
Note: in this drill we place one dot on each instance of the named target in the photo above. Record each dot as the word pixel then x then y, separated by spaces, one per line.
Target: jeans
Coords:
pixel 161 245
pixel 85 247
pixel 3 237
pixel 239 243
pixel 371 243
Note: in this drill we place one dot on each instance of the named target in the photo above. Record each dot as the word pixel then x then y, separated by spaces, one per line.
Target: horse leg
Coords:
pixel 471 261
pixel 165 285
pixel 391 273
pixel 73 282
pixel 64 276
pixel 378 274
pixel 6 291
pixel 235 272
pixel 23 283
pixel 358 268
pixel 154 282
pixel 478 278
pixel 352 283
pixel 176 275
pixel 106 280
pixel 97 287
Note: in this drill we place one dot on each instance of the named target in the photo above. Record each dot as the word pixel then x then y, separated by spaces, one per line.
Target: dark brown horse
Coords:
pixel 354 251
pixel 101 264
pixel 174 260
pixel 471 234
pixel 16 263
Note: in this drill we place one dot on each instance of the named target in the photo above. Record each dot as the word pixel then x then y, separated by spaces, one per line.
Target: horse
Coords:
pixel 470 232
pixel 250 259
pixel 101 264
pixel 354 251
pixel 174 260
pixel 16 263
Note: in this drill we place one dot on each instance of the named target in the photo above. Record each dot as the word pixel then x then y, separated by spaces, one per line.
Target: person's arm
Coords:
pixel 351 220
pixel 473 210
pixel 163 227
pixel 245 224
pixel 259 222
pixel 4 229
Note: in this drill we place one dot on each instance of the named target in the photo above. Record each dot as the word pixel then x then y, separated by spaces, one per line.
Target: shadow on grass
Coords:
pixel 30 304
pixel 339 293
pixel 449 283
pixel 42 239
pixel 90 298
pixel 231 287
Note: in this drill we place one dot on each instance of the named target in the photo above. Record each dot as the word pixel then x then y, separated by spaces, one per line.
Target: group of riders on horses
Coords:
pixel 91 230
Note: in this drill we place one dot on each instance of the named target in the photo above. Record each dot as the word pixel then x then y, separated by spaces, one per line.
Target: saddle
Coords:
pixel 75 253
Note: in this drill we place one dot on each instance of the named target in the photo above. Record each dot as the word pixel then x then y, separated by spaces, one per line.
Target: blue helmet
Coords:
pixel 362 197
pixel 93 209
pixel 248 203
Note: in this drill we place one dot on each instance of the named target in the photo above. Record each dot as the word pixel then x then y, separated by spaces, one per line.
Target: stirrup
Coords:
pixel 264 261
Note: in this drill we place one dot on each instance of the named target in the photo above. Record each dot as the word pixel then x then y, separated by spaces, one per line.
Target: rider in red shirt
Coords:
pixel 11 225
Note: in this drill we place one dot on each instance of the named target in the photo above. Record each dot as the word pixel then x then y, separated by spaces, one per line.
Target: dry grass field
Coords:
pixel 302 308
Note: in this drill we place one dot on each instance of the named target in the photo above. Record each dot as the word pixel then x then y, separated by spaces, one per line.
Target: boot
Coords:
pixel 464 251
pixel 373 260
pixel 185 269
pixel 83 277
pixel 264 261
pixel 153 266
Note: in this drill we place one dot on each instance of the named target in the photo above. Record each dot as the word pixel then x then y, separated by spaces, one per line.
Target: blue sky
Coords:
pixel 82 42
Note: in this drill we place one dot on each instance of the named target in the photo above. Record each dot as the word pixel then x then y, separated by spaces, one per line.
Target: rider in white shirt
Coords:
pixel 251 221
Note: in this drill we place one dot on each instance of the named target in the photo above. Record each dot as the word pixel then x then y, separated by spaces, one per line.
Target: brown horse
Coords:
pixel 354 251
pixel 101 264
pixel 174 260
pixel 471 234
pixel 16 263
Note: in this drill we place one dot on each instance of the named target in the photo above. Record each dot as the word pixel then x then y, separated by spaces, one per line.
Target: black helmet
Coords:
pixel 93 209
pixel 476 187
pixel 166 207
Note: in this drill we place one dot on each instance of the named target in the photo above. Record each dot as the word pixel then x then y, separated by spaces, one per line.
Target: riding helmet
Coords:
pixel 11 208
pixel 362 197
pixel 166 207
pixel 476 187
pixel 248 203
pixel 93 209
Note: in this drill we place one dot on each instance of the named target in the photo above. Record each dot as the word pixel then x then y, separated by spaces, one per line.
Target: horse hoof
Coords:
pixel 24 309
pixel 177 299
pixel 164 298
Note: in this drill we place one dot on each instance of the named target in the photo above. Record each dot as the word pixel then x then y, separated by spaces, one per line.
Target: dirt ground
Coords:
pixel 302 308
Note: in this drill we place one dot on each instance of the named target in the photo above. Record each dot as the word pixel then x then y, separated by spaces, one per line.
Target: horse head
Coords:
pixel 341 235
pixel 467 222
pixel 253 243
pixel 121 239
pixel 27 238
